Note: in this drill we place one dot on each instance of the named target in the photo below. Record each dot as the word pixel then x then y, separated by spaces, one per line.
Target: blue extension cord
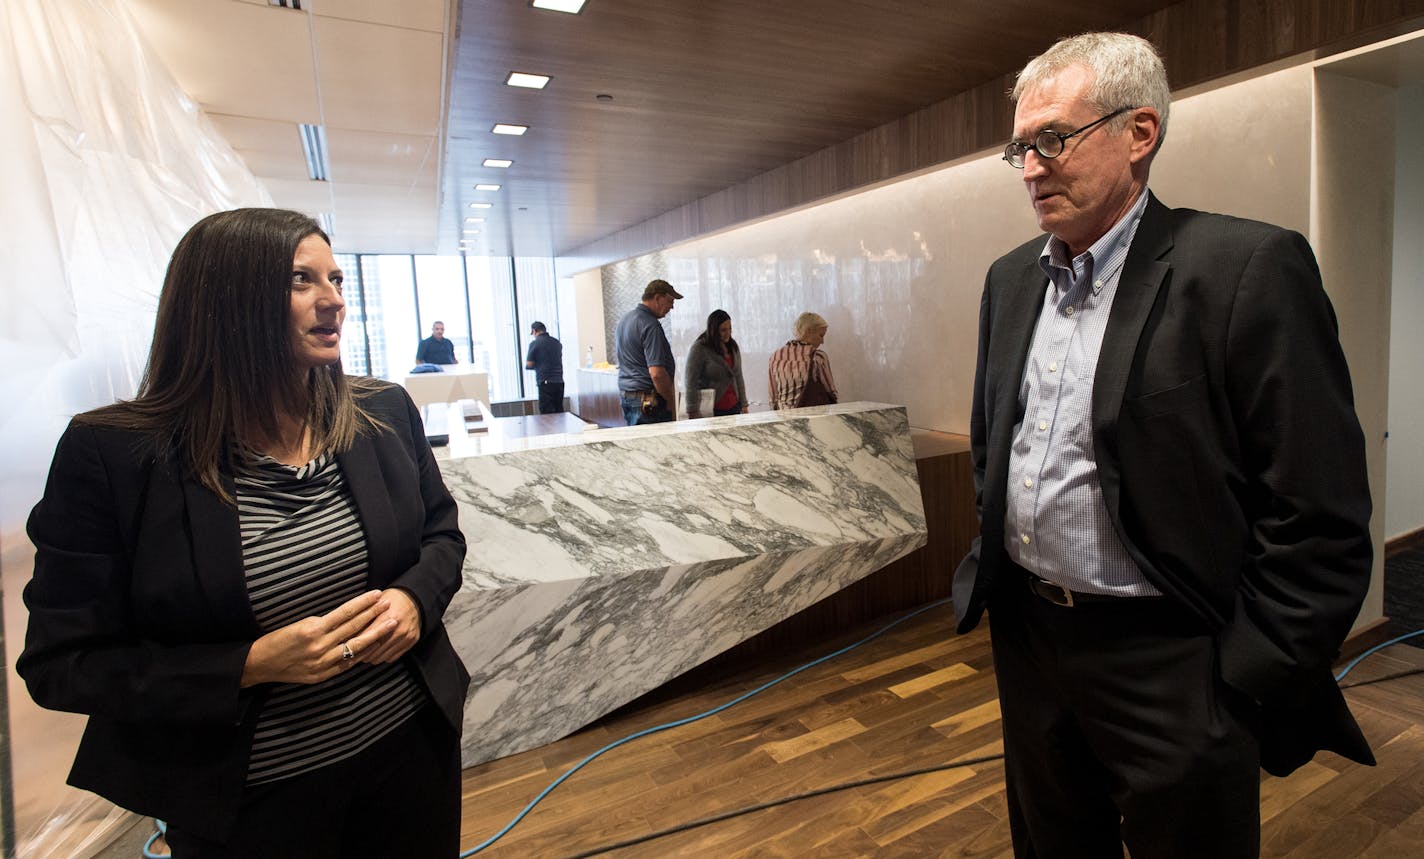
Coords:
pixel 148 845
pixel 1358 659
pixel 690 719
pixel 162 827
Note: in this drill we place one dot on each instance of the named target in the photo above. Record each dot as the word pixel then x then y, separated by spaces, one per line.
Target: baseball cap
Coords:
pixel 660 287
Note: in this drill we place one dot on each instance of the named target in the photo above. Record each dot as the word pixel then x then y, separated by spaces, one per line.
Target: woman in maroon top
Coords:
pixel 715 362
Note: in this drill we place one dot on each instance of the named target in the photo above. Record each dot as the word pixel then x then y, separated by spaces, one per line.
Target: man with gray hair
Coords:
pixel 1170 480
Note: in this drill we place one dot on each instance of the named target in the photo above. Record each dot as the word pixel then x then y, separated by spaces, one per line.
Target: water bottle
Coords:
pixel 588 358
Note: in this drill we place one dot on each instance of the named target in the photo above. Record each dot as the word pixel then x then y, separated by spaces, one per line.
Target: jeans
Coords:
pixel 633 411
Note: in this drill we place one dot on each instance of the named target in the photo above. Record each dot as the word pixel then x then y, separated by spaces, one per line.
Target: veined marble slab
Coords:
pixel 605 563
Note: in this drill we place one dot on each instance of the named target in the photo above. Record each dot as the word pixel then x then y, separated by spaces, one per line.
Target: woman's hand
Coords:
pixel 403 613
pixel 313 649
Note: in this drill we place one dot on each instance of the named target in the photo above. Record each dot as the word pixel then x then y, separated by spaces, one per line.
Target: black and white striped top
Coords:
pixel 304 553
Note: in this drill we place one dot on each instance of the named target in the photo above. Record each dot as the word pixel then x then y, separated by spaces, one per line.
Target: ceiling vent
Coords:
pixel 286 4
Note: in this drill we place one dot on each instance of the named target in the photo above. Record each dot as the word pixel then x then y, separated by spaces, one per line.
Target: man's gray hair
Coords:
pixel 808 322
pixel 1127 72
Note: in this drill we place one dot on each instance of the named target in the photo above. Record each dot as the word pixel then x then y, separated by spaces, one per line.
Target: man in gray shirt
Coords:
pixel 645 364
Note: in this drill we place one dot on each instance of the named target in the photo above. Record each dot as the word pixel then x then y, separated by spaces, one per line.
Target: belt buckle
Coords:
pixel 1053 592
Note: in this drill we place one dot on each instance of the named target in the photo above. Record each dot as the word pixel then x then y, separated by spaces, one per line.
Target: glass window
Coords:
pixel 440 289
pixel 538 297
pixel 496 340
pixel 355 350
pixel 392 300
pixel 389 288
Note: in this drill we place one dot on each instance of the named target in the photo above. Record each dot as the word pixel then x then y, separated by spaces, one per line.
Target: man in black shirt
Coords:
pixel 546 359
pixel 435 349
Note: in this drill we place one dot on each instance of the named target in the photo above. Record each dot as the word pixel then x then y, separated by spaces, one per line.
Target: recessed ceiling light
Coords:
pixel 474 220
pixel 481 205
pixel 498 162
pixel 570 6
pixel 471 232
pixel 485 186
pixel 527 80
pixel 507 128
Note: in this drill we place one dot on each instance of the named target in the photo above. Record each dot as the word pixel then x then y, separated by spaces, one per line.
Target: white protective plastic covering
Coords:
pixel 104 163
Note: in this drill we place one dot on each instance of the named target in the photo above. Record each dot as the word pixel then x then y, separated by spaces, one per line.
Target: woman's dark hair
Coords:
pixel 712 336
pixel 220 369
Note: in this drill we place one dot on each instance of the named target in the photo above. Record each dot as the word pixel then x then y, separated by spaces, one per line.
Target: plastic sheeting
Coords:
pixel 106 163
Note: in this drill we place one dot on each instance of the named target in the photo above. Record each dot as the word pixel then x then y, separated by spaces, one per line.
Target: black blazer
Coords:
pixel 139 615
pixel 1230 457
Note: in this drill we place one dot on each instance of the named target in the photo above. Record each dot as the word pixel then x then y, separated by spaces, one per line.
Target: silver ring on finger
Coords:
pixel 347 654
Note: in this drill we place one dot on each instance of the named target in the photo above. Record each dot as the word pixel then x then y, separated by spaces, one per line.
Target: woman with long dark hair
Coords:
pixel 715 362
pixel 240 574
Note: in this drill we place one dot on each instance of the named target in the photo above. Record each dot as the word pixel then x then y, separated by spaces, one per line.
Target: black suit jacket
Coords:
pixel 1230 457
pixel 139 615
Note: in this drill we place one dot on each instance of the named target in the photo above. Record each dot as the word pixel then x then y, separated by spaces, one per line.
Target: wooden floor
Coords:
pixel 915 697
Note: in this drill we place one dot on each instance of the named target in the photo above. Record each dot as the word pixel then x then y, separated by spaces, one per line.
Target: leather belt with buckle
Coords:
pixel 1059 595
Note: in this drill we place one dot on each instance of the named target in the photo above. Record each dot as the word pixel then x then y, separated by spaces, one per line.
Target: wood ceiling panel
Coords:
pixel 383 219
pixel 303 195
pixel 412 14
pixel 237 59
pixel 379 78
pixel 380 158
pixel 706 95
pixel 269 148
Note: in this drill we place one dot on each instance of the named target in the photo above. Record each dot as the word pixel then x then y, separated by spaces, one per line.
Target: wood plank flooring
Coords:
pixel 913 698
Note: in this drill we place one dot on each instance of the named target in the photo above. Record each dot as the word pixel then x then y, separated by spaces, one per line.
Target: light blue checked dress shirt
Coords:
pixel 1057 525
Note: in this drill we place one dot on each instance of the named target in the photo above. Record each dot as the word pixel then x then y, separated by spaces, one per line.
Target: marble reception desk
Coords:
pixel 605 563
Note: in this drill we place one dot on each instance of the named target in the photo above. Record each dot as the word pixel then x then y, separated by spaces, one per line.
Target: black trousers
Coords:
pixel 1118 729
pixel 551 397
pixel 398 797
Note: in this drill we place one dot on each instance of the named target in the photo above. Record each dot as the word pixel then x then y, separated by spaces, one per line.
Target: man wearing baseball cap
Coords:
pixel 646 367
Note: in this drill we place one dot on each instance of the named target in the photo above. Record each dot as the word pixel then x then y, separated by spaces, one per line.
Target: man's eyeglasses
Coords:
pixel 1049 144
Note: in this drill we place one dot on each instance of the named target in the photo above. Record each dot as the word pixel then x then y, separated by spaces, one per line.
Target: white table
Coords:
pixel 455 383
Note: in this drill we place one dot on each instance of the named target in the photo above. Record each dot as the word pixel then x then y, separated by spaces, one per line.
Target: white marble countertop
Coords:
pixel 603 563
pixel 464 444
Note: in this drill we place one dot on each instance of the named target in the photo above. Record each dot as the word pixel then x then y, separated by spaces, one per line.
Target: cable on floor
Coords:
pixel 689 720
pixel 162 830
pixel 1378 647
pixel 728 815
pixel 1409 672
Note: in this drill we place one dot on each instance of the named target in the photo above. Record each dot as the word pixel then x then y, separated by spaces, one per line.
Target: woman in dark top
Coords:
pixel 715 362
pixel 240 574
